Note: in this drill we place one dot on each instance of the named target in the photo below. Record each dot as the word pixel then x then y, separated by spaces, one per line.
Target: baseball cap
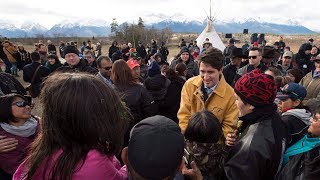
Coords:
pixel 155 147
pixel 288 54
pixel 293 91
pixel 133 63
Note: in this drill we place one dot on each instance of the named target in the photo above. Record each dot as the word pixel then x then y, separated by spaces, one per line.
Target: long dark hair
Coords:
pixel 80 113
pixel 6 107
pixel 121 74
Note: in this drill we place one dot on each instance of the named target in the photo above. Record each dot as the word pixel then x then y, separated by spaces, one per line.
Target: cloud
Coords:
pixel 49 13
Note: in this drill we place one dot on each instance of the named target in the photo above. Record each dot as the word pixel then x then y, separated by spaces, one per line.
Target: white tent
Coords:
pixel 210 33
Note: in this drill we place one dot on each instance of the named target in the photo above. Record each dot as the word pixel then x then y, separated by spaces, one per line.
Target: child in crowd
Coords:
pixel 202 135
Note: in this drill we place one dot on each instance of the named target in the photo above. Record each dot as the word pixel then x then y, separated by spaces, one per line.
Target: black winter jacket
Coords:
pixel 138 100
pixel 112 50
pixel 140 103
pixel 303 166
pixel 80 67
pixel 297 123
pixel 30 69
pixel 259 150
pixel 157 86
pixel 303 61
pixel 229 73
pixel 170 105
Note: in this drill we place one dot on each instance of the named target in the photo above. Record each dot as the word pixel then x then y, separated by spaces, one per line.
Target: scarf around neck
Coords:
pixel 26 130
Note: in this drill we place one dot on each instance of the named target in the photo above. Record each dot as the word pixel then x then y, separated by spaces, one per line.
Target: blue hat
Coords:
pixel 153 69
pixel 293 91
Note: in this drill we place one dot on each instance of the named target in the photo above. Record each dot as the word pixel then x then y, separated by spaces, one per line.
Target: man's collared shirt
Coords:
pixel 210 90
pixel 107 81
pixel 316 74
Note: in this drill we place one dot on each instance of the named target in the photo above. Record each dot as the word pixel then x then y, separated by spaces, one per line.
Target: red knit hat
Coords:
pixel 256 88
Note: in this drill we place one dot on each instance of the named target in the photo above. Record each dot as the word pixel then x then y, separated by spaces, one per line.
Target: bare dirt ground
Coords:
pixel 293 41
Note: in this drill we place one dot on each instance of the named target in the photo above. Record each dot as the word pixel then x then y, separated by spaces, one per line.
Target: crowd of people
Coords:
pixel 130 113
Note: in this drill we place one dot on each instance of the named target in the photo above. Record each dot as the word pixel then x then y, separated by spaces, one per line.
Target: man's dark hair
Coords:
pixel 35 56
pixel 100 58
pixel 213 57
pixel 275 71
pixel 297 74
pixel 255 49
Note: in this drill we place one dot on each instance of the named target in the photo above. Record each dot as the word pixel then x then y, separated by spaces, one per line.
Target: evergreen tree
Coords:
pixel 140 23
pixel 114 25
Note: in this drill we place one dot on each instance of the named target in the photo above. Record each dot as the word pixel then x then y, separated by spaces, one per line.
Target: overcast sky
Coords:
pixel 48 13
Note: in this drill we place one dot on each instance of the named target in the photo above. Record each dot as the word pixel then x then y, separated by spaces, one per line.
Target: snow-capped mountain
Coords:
pixel 33 29
pixel 80 28
pixel 8 29
pixel 94 27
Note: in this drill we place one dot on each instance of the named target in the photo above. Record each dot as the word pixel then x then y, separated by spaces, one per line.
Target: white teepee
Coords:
pixel 210 33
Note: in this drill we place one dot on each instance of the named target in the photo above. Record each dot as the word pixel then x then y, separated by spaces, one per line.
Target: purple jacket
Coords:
pixel 96 166
pixel 9 161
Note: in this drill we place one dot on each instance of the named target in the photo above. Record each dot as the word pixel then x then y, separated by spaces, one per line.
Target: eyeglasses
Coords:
pixel 88 57
pixel 287 57
pixel 107 68
pixel 21 103
pixel 252 57
pixel 315 119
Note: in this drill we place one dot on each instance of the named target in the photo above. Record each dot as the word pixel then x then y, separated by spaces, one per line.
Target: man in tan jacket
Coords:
pixel 311 81
pixel 209 91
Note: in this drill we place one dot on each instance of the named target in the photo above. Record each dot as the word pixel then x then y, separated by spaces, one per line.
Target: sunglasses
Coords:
pixel 252 57
pixel 287 57
pixel 108 68
pixel 21 103
pixel 315 119
pixel 317 61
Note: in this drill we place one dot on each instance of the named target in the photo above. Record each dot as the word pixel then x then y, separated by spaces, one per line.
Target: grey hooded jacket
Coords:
pixel 297 122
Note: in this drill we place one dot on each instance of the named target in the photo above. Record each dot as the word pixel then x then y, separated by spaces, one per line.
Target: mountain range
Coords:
pixel 102 28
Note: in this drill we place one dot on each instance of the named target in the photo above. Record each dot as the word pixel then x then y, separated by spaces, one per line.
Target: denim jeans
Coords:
pixel 8 65
pixel 14 69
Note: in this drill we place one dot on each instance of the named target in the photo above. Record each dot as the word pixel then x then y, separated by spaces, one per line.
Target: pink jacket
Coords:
pixel 96 166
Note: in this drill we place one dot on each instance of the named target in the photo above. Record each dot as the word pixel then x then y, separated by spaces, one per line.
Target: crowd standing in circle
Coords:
pixel 130 113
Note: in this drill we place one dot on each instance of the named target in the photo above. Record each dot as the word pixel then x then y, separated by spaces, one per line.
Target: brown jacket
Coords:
pixel 221 102
pixel 312 85
pixel 9 51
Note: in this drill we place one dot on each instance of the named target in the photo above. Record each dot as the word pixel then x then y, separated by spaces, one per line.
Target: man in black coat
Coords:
pixel 74 63
pixel 51 48
pixel 141 50
pixel 230 70
pixel 302 59
pixel 30 69
pixel 113 48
